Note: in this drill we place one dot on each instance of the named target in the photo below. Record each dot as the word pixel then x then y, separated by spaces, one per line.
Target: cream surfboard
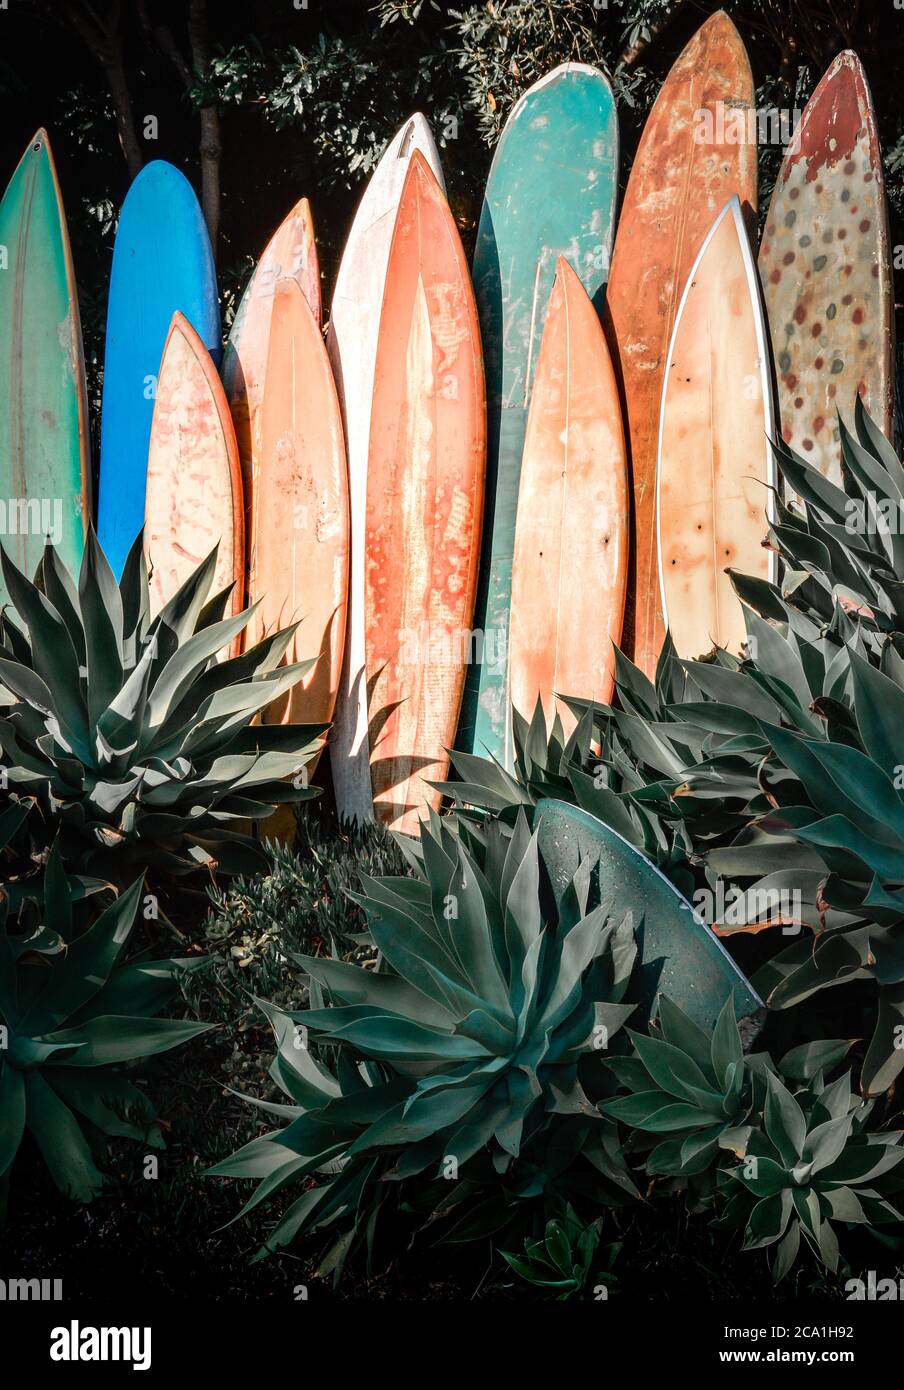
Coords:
pixel 715 464
pixel 570 566
pixel 352 346
pixel 193 499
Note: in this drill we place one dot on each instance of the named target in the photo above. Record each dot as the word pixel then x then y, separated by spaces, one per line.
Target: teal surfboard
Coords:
pixel 679 954
pixel 162 261
pixel 44 468
pixel 551 192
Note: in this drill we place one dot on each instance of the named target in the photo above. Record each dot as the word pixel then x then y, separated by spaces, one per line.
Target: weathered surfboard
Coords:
pixel 44 455
pixel 425 486
pixel 679 954
pixel 162 263
pixel 695 153
pixel 290 253
pixel 352 346
pixel 570 564
pixel 299 508
pixel 194 484
pixel 825 265
pixel 551 192
pixel 715 458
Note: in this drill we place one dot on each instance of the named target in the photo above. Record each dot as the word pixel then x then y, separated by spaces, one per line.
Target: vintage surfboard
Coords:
pixel 538 205
pixel 825 264
pixel 715 458
pixel 194 484
pixel 162 263
pixel 425 485
pixel 44 451
pixel 352 346
pixel 695 153
pixel 290 253
pixel 679 954
pixel 570 563
pixel 299 509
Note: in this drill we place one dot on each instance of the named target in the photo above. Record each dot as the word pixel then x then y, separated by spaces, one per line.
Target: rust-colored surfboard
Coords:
pixel 715 459
pixel 570 568
pixel 194 484
pixel 291 253
pixel 826 270
pixel 693 156
pixel 425 486
pixel 299 509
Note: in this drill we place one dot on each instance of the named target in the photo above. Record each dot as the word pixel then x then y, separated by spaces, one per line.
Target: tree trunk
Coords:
pixel 211 148
pixel 122 106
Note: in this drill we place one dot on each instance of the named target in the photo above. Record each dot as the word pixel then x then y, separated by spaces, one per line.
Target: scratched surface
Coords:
pixel 352 346
pixel 291 253
pixel 162 263
pixel 194 484
pixel 424 502
pixel 678 185
pixel 551 192
pixel 715 463
pixel 299 513
pixel 570 566
pixel 43 431
pixel 826 271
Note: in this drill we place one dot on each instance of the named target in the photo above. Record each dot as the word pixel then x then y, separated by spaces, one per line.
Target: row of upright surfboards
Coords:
pixel 476 482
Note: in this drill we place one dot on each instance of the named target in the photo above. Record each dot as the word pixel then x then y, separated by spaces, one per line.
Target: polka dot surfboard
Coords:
pixel 826 270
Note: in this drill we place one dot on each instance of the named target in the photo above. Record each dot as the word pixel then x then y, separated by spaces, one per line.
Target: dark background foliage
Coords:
pixel 260 103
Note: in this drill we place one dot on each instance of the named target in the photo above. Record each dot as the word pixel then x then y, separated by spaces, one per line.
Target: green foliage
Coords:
pixel 71 1012
pixel 692 1093
pixel 468 1043
pixel 137 744
pixel 257 924
pixel 811 1166
pixel 788 1159
pixel 562 1261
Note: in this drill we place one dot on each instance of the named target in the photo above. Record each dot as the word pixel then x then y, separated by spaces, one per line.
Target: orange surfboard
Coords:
pixel 715 456
pixel 290 253
pixel 693 156
pixel 194 483
pixel 425 485
pixel 570 568
pixel 299 508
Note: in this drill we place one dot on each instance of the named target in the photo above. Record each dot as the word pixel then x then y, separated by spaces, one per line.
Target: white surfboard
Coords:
pixel 352 346
pixel 715 468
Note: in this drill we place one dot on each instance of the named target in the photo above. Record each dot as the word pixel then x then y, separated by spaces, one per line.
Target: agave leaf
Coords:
pixel 60 1140
pixel 102 619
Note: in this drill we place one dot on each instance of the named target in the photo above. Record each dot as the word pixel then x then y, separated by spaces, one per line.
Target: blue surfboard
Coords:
pixel 162 261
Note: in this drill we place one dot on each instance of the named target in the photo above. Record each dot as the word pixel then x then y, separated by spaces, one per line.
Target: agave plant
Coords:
pixel 810 1167
pixel 692 1094
pixel 137 745
pixel 566 1259
pixel 71 1011
pixel 465 1063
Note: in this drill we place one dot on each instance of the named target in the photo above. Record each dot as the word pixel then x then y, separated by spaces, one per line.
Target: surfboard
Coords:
pixel 194 484
pixel 825 265
pixel 44 451
pixel 290 253
pixel 551 192
pixel 570 563
pixel 715 457
pixel 695 153
pixel 299 509
pixel 162 262
pixel 679 954
pixel 425 486
pixel 352 346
